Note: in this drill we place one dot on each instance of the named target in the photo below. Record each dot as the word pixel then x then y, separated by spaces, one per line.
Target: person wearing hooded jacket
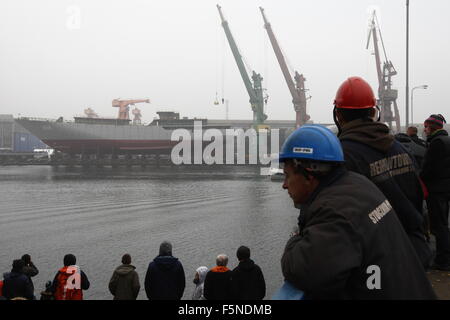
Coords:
pixel 199 280
pixel 436 176
pixel 16 284
pixel 247 279
pixel 70 281
pixel 165 279
pixel 124 283
pixel 369 149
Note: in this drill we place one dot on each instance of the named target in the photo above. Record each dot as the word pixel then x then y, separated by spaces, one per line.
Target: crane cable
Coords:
pixel 266 71
pixel 216 102
pixel 223 67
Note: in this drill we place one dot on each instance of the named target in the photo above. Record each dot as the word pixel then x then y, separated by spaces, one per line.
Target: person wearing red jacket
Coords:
pixel 69 281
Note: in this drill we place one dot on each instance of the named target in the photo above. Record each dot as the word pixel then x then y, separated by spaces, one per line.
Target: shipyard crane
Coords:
pixel 124 108
pixel 90 113
pixel 297 89
pixel 386 95
pixel 254 90
pixel 137 115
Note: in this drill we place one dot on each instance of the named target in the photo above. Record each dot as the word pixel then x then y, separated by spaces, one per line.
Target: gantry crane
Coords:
pixel 124 108
pixel 386 95
pixel 297 89
pixel 254 90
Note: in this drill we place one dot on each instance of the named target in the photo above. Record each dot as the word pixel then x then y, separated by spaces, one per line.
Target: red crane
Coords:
pixel 124 108
pixel 297 89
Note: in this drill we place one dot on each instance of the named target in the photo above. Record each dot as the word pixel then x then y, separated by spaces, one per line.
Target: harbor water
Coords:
pixel 99 214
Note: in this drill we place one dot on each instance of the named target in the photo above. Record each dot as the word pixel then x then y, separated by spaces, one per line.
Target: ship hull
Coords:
pixel 71 137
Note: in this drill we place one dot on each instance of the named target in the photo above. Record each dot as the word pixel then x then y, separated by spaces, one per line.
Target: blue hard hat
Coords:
pixel 312 142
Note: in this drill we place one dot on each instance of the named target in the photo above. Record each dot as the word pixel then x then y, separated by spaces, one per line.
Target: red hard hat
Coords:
pixel 355 93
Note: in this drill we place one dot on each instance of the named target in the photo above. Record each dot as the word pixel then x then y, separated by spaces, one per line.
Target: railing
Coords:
pixel 36 119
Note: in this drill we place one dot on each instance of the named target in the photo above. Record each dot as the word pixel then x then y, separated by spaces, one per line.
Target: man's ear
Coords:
pixel 373 112
pixel 339 117
pixel 309 176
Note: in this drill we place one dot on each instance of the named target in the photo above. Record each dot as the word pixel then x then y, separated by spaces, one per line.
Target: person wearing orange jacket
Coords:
pixel 70 281
pixel 370 150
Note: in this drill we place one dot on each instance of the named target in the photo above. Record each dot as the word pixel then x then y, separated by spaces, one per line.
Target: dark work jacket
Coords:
pixel 436 168
pixel 218 284
pixel 370 150
pixel 30 270
pixel 347 229
pixel 248 281
pixel 416 149
pixel 165 279
pixel 418 141
pixel 17 285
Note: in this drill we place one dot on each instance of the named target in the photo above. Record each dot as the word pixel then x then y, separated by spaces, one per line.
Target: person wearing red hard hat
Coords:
pixel 370 149
pixel 436 176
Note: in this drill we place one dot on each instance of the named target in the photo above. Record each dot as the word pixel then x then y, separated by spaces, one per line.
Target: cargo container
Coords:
pixel 26 142
pixel 15 138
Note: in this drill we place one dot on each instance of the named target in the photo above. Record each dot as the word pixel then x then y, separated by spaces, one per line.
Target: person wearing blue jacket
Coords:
pixel 165 279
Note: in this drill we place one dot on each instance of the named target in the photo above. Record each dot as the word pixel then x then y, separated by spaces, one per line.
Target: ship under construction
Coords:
pixel 91 135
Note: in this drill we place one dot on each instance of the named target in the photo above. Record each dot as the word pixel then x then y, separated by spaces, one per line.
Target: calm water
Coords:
pixel 100 214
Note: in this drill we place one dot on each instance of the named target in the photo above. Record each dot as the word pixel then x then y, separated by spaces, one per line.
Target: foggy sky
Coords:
pixel 175 53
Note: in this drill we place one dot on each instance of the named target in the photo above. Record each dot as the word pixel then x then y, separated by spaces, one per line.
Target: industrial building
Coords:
pixel 15 138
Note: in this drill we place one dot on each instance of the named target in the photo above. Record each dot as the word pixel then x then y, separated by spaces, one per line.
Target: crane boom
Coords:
pixel 387 97
pixel 373 32
pixel 297 89
pixel 124 108
pixel 254 90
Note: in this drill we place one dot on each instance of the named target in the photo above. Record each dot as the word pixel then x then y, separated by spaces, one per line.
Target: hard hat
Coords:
pixel 355 93
pixel 312 142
